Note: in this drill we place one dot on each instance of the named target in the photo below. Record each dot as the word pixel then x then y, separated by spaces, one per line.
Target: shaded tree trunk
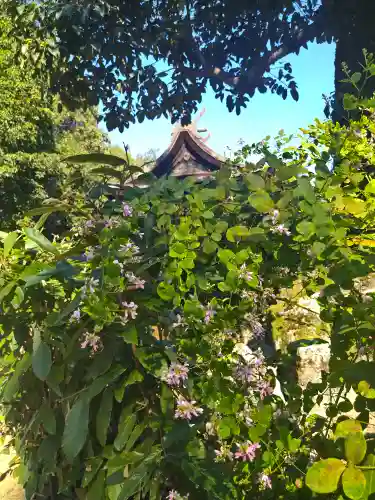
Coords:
pixel 353 27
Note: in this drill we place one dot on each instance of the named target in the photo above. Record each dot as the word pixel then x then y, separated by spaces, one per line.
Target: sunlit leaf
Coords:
pixel 324 476
pixel 353 483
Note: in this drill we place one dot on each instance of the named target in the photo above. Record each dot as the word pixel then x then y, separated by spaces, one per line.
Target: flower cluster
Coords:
pixel 76 316
pixel 187 409
pixel 245 274
pixel 264 481
pixel 281 229
pixel 127 210
pixel 174 495
pixel 90 286
pixel 209 314
pixel 223 454
pixel 91 340
pixel 134 281
pixel 243 373
pixel 177 374
pixel 130 310
pixel 247 451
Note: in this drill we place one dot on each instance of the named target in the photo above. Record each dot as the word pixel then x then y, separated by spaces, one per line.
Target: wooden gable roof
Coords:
pixel 187 155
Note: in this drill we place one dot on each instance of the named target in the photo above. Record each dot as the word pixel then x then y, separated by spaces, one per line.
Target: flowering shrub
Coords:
pixel 125 369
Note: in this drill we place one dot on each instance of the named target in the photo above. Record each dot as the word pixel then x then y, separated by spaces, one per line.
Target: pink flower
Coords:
pixel 281 229
pixel 265 389
pixel 135 282
pixel 223 454
pixel 265 481
pixel 172 495
pixel 209 314
pixel 91 340
pixel 247 451
pixel 127 210
pixel 76 316
pixel 245 274
pixel 187 409
pixel 244 374
pixel 177 374
pixel 130 310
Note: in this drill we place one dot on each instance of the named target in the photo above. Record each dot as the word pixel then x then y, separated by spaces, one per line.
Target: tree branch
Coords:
pixel 248 82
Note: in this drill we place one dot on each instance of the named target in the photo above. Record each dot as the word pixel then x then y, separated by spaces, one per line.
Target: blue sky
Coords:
pixel 265 115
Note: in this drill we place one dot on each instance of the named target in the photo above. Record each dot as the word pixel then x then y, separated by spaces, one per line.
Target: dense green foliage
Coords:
pixel 146 59
pixel 36 134
pixel 122 371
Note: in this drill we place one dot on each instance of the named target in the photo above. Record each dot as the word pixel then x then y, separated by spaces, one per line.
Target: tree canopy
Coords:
pixel 151 58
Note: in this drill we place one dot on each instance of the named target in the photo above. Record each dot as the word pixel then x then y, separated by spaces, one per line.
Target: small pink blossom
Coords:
pixel 209 314
pixel 135 282
pixel 172 495
pixel 91 340
pixel 177 374
pixel 223 454
pixel 244 373
pixel 275 216
pixel 281 229
pixel 265 389
pixel 186 409
pixel 127 210
pixel 245 274
pixel 130 310
pixel 247 451
pixel 76 316
pixel 264 481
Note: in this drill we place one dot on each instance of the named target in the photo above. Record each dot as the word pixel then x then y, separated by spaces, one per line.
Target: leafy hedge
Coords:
pixel 123 370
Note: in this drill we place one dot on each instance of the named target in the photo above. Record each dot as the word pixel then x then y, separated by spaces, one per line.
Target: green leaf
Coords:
pixel 134 436
pixel 42 358
pixel 305 189
pixel 209 246
pixel 113 491
pixel 12 386
pixel 76 429
pixel 370 187
pixel 323 476
pixel 369 475
pixel 306 228
pixel 49 209
pixel 92 465
pixel 9 242
pixel 353 483
pixel 138 476
pixel 166 291
pixel 96 490
pixel 347 427
pixel 255 181
pixel 48 419
pixel 130 335
pixel 57 318
pixel 103 417
pixel 107 171
pixel 102 158
pixel 42 242
pixel 355 77
pixel 126 425
pixel 355 447
pixel 366 390
pixel 237 232
pixel 134 377
pixel 5 291
pixel 18 297
pixel 261 201
pixel 349 102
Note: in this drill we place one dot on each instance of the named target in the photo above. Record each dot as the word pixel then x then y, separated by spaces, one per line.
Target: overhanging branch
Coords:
pixel 249 81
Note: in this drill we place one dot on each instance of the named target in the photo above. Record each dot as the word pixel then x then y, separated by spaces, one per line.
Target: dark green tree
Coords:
pixel 36 134
pixel 149 58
